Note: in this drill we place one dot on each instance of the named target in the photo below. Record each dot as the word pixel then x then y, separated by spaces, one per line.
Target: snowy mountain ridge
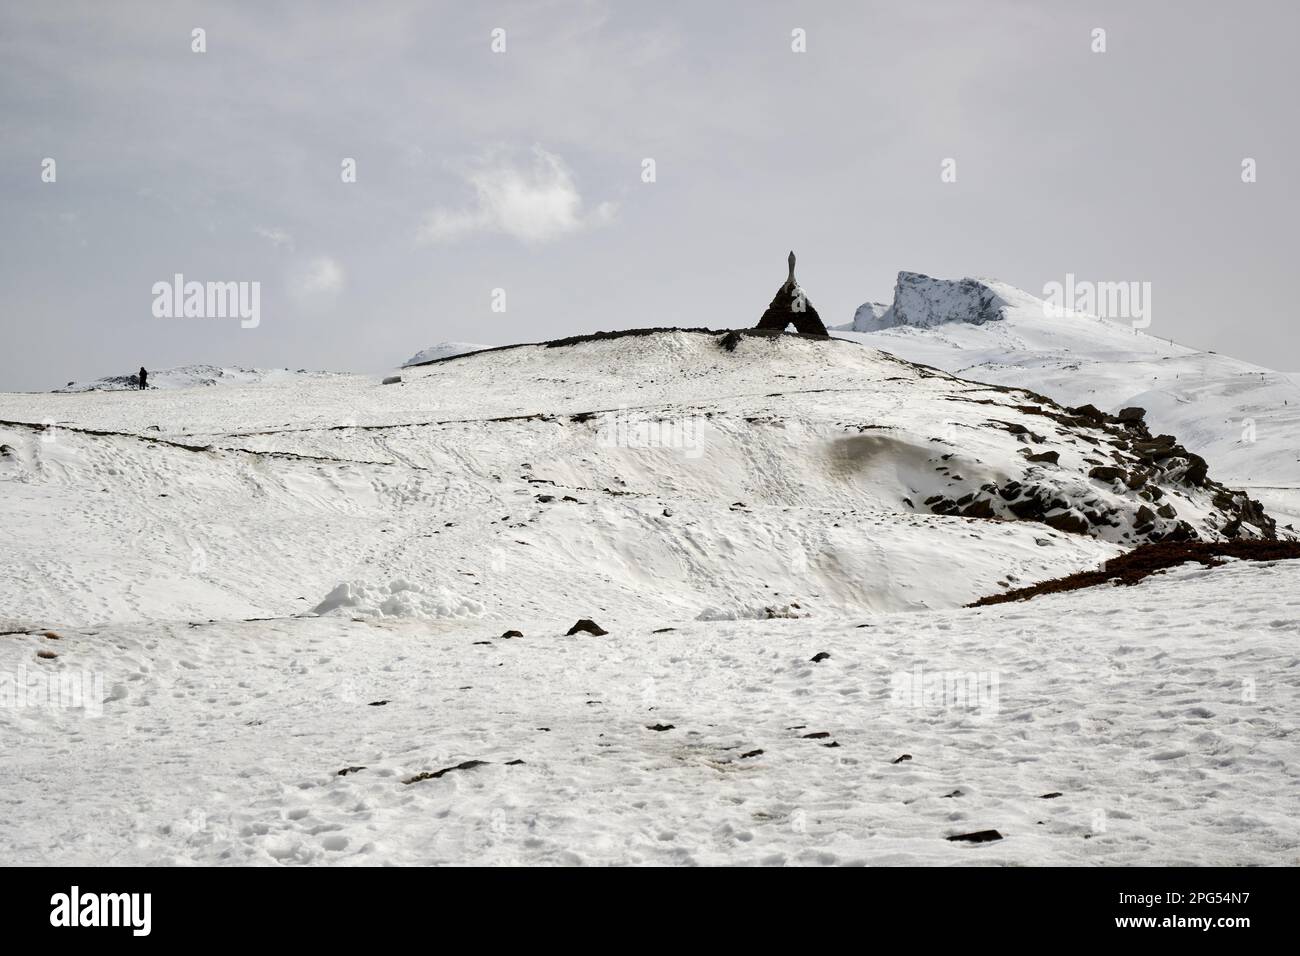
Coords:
pixel 441 351
pixel 1243 418
pixel 658 473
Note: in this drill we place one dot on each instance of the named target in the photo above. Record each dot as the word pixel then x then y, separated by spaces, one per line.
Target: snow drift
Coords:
pixel 400 598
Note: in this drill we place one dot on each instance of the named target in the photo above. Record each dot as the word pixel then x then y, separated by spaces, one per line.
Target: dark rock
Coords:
pixel 816 735
pixel 377 703
pixel 1106 473
pixel 392 380
pixel 752 753
pixel 1197 470
pixel 979 836
pixel 902 758
pixel 467 765
pixel 955 793
pixel 513 763
pixel 1090 413
pixel 1027 509
pixel 1051 457
pixel 820 656
pixel 1132 414
pixel 659 727
pixel 1050 796
pixel 347 770
pixel 588 626
pixel 1068 522
pixel 1153 449
pixel 510 634
pixel 663 630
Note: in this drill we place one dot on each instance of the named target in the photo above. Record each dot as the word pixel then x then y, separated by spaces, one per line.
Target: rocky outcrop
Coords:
pixel 925 302
pixel 1136 482
pixel 790 306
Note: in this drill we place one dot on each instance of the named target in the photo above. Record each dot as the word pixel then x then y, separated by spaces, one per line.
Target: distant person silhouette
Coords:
pixel 144 378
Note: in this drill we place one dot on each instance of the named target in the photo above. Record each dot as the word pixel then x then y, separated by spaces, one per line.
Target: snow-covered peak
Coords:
pixel 865 319
pixel 985 307
pixel 924 302
pixel 441 351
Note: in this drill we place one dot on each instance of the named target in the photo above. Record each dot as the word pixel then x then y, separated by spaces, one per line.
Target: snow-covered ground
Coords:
pixel 193 376
pixel 762 502
pixel 1164 715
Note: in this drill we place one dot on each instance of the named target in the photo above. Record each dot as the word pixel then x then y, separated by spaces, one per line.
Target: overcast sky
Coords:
pixel 522 170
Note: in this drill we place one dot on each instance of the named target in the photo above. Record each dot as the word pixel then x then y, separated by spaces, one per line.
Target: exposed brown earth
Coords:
pixel 1149 559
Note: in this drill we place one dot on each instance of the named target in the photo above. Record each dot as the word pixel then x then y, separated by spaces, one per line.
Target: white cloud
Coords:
pixel 316 280
pixel 533 202
pixel 275 236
